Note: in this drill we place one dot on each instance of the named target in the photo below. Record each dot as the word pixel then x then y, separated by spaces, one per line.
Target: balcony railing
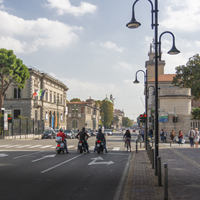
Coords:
pixel 37 103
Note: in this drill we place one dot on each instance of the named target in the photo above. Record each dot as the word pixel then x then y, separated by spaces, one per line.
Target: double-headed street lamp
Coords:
pixel 134 24
pixel 145 80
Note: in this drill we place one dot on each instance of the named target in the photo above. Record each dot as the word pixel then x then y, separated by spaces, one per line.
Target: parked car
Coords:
pixel 49 134
pixel 94 133
pixel 56 130
pixel 88 132
pixel 75 132
pixel 108 132
pixel 69 133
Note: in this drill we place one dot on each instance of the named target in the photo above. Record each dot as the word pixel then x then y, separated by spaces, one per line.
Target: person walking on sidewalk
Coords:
pixel 196 139
pixel 172 136
pixel 164 136
pixel 191 135
pixel 180 137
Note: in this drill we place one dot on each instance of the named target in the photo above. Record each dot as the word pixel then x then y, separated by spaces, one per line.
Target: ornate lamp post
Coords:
pixel 134 24
pixel 145 80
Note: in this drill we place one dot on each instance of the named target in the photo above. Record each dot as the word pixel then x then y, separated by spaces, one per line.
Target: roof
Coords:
pixel 77 102
pixel 164 77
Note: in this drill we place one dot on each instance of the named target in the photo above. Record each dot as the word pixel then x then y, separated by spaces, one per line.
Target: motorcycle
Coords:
pixel 81 146
pixel 60 147
pixel 99 146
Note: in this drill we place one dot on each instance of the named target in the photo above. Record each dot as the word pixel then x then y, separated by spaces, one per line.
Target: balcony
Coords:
pixel 37 103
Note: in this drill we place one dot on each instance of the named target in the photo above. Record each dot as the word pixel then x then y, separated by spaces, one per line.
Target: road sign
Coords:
pixel 99 163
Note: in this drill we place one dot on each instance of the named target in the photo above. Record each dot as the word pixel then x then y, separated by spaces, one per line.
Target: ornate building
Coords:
pixel 51 107
pixel 83 114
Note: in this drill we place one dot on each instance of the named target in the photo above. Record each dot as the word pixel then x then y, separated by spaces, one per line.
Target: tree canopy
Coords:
pixel 189 76
pixel 12 70
pixel 196 113
pixel 126 122
pixel 106 113
pixel 75 100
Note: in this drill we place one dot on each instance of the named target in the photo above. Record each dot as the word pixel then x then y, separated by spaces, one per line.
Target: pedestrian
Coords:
pixel 191 135
pixel 164 136
pixel 172 136
pixel 180 137
pixel 143 134
pixel 151 134
pixel 161 135
pixel 196 139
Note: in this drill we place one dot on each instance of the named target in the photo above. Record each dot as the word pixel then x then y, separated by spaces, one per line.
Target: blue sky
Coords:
pixel 87 45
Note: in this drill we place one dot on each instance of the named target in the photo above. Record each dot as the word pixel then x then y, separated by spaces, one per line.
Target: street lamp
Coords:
pixel 154 24
pixel 136 82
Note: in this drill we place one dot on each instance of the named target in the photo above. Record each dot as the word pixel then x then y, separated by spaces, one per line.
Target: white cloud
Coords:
pixel 41 32
pixel 64 6
pixel 182 15
pixel 113 46
pixel 122 65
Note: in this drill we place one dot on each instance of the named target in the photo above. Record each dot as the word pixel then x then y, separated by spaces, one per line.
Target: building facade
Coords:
pixel 83 114
pixel 117 118
pixel 51 107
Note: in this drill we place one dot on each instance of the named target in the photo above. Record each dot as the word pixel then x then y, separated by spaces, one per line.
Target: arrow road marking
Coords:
pixel 3 155
pixel 100 163
pixel 27 155
pixel 48 156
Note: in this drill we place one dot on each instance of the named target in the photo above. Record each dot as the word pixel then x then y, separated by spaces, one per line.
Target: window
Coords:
pixel 17 113
pixel 170 87
pixel 17 93
pixel 82 109
pixel 50 96
pixel 61 100
pixel 46 95
pixel 36 115
pixel 54 98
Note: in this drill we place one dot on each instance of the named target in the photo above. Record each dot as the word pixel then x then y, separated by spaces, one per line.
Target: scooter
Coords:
pixel 60 147
pixel 81 146
pixel 99 146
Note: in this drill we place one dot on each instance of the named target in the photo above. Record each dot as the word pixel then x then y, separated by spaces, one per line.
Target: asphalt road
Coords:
pixel 28 171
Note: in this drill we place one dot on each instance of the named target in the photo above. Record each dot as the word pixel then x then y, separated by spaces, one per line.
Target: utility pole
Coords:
pixel 74 109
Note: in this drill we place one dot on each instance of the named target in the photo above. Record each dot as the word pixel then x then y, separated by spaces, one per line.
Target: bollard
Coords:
pixel 165 181
pixel 159 171
pixel 140 144
pixel 136 146
pixel 150 156
pixel 152 150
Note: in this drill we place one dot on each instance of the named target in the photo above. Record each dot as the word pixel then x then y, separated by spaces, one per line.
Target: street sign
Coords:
pixel 5 121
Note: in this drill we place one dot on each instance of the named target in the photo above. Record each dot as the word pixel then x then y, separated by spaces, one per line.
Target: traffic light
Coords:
pixel 9 119
pixel 174 119
pixel 177 119
pixel 141 118
pixel 144 118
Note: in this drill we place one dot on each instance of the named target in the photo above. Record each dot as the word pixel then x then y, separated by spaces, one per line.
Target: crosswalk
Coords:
pixel 28 146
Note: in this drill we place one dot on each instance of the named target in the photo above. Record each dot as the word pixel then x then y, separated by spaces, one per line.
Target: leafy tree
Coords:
pixel 189 76
pixel 106 113
pixel 126 122
pixel 12 70
pixel 196 113
pixel 75 100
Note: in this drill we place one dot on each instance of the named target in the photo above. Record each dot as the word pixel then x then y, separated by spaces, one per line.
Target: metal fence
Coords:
pixel 22 127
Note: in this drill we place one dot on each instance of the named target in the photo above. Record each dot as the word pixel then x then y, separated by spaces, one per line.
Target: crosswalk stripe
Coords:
pixel 9 146
pixel 116 148
pixel 70 146
pixel 3 145
pixel 46 146
pixel 23 146
pixel 92 147
pixel 35 146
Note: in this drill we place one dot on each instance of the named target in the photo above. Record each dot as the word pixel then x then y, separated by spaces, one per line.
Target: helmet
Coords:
pixel 61 130
pixel 83 129
pixel 100 130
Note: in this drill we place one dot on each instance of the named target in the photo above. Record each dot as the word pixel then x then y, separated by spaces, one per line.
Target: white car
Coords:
pixel 108 132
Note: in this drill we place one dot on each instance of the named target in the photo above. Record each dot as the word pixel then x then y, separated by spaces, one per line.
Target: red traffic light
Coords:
pixel 141 115
pixel 145 115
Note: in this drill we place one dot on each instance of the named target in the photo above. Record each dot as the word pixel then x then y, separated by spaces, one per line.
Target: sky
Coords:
pixel 86 44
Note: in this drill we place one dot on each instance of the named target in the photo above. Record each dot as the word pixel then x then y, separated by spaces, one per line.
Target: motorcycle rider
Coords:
pixel 61 134
pixel 100 136
pixel 127 136
pixel 83 136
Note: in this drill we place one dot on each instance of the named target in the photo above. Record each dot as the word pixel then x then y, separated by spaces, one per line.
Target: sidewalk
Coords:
pixel 183 174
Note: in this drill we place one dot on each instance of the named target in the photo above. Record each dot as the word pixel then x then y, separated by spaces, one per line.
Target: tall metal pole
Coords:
pixel 57 114
pixel 146 108
pixel 156 84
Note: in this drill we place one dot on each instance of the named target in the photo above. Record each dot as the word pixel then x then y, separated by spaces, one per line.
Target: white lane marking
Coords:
pixel 27 155
pixel 46 146
pixel 34 146
pixel 10 146
pixel 116 148
pixel 3 155
pixel 23 146
pixel 70 146
pixel 47 156
pixel 99 163
pixel 92 147
pixel 61 164
pixel 119 188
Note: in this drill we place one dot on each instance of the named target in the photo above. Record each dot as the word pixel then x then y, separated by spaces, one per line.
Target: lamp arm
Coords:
pixel 159 56
pixel 133 14
pixel 140 71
